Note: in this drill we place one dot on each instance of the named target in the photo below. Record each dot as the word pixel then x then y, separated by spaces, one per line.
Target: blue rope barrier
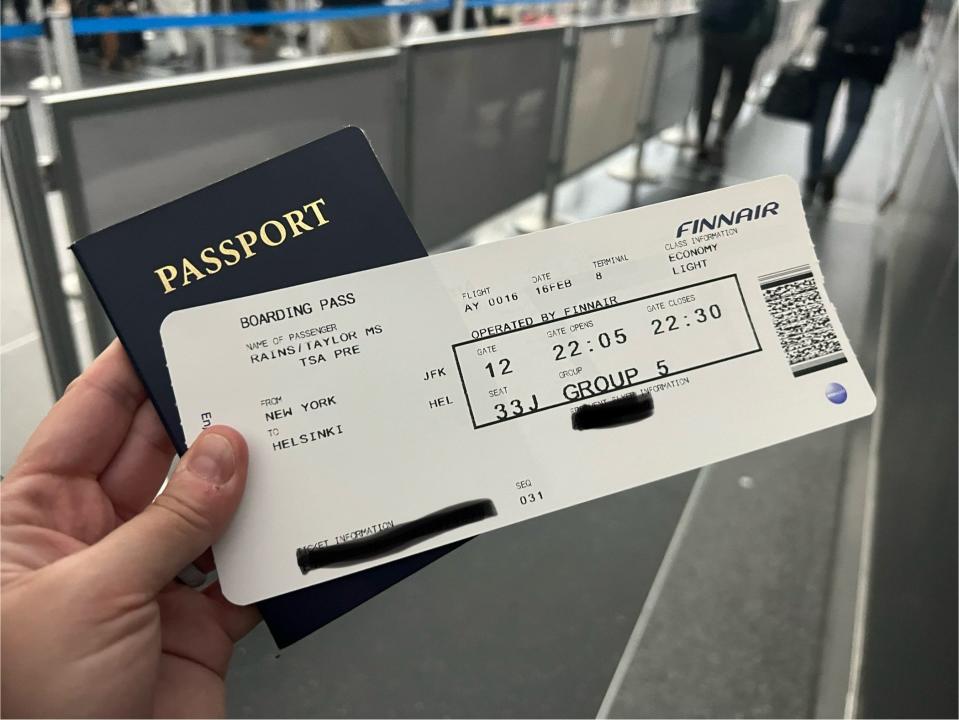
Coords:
pixel 95 26
pixel 19 32
pixel 493 3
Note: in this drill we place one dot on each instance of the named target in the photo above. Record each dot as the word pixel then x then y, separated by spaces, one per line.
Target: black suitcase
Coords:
pixel 793 95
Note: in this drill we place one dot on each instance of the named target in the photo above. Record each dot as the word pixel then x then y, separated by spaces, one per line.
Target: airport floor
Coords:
pixel 765 586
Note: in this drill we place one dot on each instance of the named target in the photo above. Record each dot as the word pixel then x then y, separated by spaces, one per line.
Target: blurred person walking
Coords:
pixel 733 34
pixel 176 37
pixel 859 47
pixel 117 51
pixel 361 33
pixel 20 7
pixel 258 36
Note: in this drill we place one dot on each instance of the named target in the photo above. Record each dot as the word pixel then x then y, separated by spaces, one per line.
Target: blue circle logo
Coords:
pixel 836 393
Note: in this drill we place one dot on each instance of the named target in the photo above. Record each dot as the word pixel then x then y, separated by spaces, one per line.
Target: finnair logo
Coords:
pixel 733 217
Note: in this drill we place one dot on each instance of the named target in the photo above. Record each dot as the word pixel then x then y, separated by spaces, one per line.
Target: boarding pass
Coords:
pixel 371 401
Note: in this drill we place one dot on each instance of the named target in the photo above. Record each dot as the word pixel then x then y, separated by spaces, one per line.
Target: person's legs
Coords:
pixel 825 96
pixel 361 34
pixel 176 38
pixel 857 108
pixel 259 35
pixel 20 6
pixel 741 72
pixel 710 73
pixel 109 42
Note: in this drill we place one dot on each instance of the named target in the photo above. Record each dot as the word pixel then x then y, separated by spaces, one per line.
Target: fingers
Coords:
pixel 138 468
pixel 147 552
pixel 85 428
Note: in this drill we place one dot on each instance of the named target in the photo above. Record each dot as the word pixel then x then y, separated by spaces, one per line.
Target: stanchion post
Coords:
pixel 65 48
pixel 564 108
pixel 404 133
pixel 28 202
pixel 206 37
pixel 678 133
pixel 226 8
pixel 458 21
pixel 637 174
pixel 291 50
pixel 393 20
pixel 99 329
pixel 557 150
pixel 314 39
pixel 49 80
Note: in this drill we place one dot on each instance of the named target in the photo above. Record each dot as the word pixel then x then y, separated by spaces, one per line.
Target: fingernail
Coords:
pixel 211 457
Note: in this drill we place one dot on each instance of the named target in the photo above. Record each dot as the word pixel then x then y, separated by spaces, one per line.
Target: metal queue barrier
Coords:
pixel 58 30
pixel 460 132
pixel 27 201
pixel 669 84
pixel 679 71
pixel 603 95
pixel 480 119
pixel 128 148
pixel 607 100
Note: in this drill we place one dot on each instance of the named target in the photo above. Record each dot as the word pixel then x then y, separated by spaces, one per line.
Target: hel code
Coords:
pixel 229 252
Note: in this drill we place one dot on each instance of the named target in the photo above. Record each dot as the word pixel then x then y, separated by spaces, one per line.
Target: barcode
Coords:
pixel 799 315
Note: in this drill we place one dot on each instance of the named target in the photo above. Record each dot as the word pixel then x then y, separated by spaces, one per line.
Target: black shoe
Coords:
pixel 827 188
pixel 718 154
pixel 702 156
pixel 809 190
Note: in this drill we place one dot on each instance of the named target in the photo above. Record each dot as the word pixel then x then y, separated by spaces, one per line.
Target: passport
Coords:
pixel 322 210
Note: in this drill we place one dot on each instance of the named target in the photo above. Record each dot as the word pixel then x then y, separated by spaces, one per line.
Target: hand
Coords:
pixel 93 622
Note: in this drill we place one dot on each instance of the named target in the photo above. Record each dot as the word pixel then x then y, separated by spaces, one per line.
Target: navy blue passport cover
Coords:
pixel 367 228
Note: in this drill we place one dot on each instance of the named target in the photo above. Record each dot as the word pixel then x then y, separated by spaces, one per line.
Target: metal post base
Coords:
pixel 45 83
pixel 677 135
pixel 290 49
pixel 628 173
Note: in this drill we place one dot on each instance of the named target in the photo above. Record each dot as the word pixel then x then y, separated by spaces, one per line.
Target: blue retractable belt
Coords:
pixel 18 32
pixel 95 26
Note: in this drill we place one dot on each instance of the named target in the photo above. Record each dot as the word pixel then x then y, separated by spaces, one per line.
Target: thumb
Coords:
pixel 146 553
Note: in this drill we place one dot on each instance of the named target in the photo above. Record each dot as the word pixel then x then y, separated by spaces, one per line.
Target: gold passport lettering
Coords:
pixel 272 233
